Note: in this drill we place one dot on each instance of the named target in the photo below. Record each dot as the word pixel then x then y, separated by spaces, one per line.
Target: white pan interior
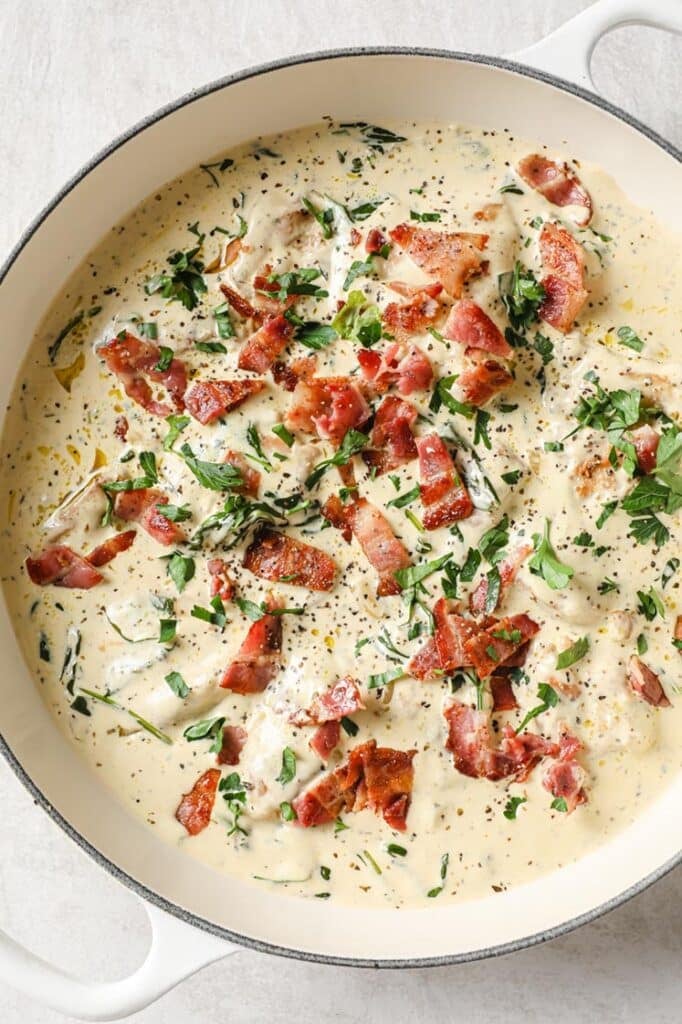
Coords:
pixel 371 87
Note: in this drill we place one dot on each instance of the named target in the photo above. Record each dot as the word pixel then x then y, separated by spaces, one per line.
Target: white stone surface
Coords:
pixel 73 74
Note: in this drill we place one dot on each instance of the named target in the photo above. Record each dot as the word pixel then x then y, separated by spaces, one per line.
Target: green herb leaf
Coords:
pixel 358 320
pixel 548 698
pixel 175 513
pixel 545 563
pixel 512 806
pixel 184 282
pixel 283 434
pixel 559 804
pixel 181 569
pixel 522 295
pixel 626 336
pixel 216 476
pixel 286 811
pixel 358 268
pixel 353 442
pixel 573 653
pixel 167 631
pixel 650 605
pixel 177 424
pixel 165 359
pixel 177 684
pixel 288 772
pixel 325 218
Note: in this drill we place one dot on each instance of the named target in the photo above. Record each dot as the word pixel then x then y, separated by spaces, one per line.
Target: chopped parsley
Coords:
pixel 545 563
pixel 512 806
pixel 573 653
pixel 288 771
pixel 627 337
pixel 353 442
pixel 522 295
pixel 548 698
pixel 358 320
pixel 184 282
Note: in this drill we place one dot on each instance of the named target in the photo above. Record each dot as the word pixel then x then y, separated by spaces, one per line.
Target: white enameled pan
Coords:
pixel 197 914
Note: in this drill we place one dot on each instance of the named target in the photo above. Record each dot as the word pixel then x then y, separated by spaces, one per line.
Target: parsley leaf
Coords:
pixel 626 336
pixel 548 698
pixel 521 294
pixel 573 653
pixel 177 684
pixel 545 563
pixel 353 442
pixel 288 772
pixel 512 806
pixel 216 476
pixel 180 568
pixel 184 282
pixel 358 320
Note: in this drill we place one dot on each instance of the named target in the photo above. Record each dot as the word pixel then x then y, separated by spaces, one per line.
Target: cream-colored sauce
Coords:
pixel 57 442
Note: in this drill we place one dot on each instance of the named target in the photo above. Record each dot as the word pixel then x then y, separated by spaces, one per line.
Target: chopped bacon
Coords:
pixel 338 516
pixel 453 632
pixel 121 428
pixel 494 646
pixel 378 778
pixel 108 550
pixel 325 739
pixel 234 738
pixel 271 305
pixel 645 440
pixel 451 257
pixel 289 374
pixel 241 305
pixel 504 698
pixel 565 293
pixel 140 507
pixel 564 778
pixel 677 635
pixel 471 745
pixel 355 237
pixel 426 662
pixel 557 183
pixel 195 808
pixel 392 440
pixel 250 476
pixel 208 400
pixel 263 347
pixel 483 380
pixel 381 546
pixel 375 240
pixel 60 566
pixel 341 699
pixel 258 659
pixel 443 493
pixel 276 556
pixel 133 360
pixel 404 319
pixel 470 326
pixel 222 584
pixel 645 684
pixel 328 406
pixel 488 212
pixel 410 370
pixel 507 570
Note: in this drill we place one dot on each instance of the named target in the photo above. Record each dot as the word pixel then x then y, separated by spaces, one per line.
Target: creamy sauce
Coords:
pixel 59 441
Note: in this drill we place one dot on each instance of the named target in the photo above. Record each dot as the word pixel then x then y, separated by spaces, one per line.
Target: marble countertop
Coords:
pixel 74 74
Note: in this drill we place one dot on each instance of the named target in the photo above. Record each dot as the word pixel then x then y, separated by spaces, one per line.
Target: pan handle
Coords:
pixel 177 950
pixel 567 51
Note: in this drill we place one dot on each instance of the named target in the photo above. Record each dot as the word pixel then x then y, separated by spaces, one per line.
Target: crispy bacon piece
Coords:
pixel 339 516
pixel 341 699
pixel 250 476
pixel 121 428
pixel 592 473
pixel 426 662
pixel 355 237
pixel 494 646
pixel 271 305
pixel 645 684
pixel 565 292
pixel 325 739
pixel 507 569
pixel 276 556
pixel 108 550
pixel 504 698
pixel 453 632
pixel 140 507
pixel 645 440
pixel 677 635
pixel 483 380
pixel 208 400
pixel 234 738
pixel 470 326
pixel 443 494
pixel 488 212
pixel 263 347
pixel 375 240
pixel 289 374
pixel 381 546
pixel 409 369
pixel 195 808
pixel 471 745
pixel 452 257
pixel 393 443
pixel 133 361
pixel 378 778
pixel 240 305
pixel 60 566
pixel 327 406
pixel 222 584
pixel 557 183
pixel 403 319
pixel 564 778
pixel 258 659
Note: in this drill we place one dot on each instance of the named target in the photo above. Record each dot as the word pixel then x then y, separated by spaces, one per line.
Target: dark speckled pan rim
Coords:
pixel 141 890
